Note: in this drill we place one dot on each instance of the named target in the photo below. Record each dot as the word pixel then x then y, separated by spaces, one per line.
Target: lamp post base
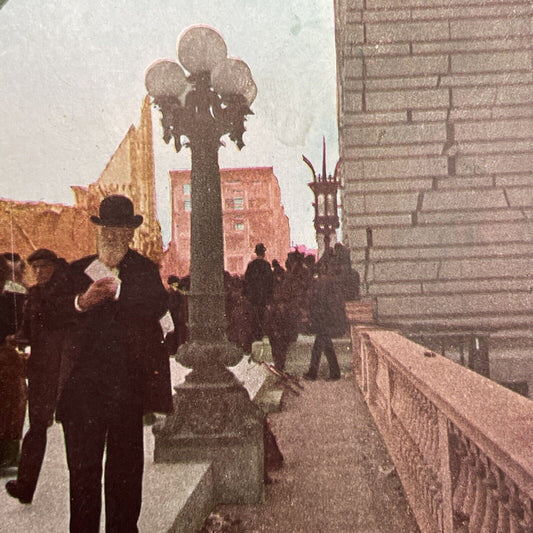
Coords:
pixel 218 423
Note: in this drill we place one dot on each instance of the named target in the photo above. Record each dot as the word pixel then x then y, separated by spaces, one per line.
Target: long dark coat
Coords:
pixel 327 314
pixel 12 369
pixel 44 329
pixel 259 282
pixel 135 319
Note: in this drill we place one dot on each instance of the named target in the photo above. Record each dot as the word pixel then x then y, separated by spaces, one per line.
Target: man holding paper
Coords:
pixel 115 368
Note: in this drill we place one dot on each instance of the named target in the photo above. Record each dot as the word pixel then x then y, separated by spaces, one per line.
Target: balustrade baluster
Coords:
pixel 460 486
pixel 435 501
pixel 433 424
pixel 515 508
pixel 490 520
pixel 478 512
pixel 468 503
pixel 418 420
pixel 527 521
pixel 411 416
pixel 425 442
pixel 364 363
pixel 372 368
pixel 502 495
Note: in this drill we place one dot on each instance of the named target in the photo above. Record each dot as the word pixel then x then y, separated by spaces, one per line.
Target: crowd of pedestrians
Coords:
pixel 306 296
pixel 89 343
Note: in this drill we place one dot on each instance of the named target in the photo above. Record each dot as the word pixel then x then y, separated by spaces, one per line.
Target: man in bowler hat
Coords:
pixel 258 289
pixel 114 368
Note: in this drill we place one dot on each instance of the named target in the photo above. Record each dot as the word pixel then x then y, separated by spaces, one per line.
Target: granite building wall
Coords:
pixel 436 143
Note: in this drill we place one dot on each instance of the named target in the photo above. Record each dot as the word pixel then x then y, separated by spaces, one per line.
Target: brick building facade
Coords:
pixel 251 211
pixel 436 143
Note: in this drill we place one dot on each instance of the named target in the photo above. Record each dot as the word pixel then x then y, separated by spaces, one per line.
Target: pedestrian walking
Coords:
pixel 12 366
pixel 44 332
pixel 258 289
pixel 282 319
pixel 348 276
pixel 114 368
pixel 327 320
pixel 238 313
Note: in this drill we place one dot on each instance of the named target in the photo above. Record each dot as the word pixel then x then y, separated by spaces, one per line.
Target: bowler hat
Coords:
pixel 260 249
pixel 117 211
pixel 42 254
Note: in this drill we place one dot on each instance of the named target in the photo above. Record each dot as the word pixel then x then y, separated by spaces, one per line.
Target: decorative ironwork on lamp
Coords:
pixel 325 189
pixel 203 97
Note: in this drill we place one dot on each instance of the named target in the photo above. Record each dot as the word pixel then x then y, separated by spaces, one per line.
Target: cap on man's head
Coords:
pixel 173 279
pixel 42 254
pixel 11 256
pixel 117 211
pixel 260 249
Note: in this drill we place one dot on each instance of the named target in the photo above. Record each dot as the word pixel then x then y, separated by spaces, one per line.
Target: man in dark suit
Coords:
pixel 327 320
pixel 44 332
pixel 114 368
pixel 258 289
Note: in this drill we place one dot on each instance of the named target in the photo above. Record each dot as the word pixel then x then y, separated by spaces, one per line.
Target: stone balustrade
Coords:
pixel 462 444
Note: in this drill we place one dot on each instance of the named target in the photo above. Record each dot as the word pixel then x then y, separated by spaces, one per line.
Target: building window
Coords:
pixel 239 226
pixel 238 203
pixel 187 188
pixel 257 203
pixel 187 205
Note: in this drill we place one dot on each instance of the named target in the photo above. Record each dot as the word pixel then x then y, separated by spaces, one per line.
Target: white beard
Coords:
pixel 111 254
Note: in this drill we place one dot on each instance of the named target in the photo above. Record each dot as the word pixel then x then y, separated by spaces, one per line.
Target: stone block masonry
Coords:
pixel 436 143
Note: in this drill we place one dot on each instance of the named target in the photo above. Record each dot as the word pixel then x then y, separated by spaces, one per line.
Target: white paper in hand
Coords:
pixel 166 323
pixel 97 270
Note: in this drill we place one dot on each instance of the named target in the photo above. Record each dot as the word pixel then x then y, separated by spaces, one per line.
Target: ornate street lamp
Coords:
pixel 325 189
pixel 205 97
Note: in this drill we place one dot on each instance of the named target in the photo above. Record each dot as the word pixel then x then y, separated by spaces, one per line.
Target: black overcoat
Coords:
pixel 259 282
pixel 327 313
pixel 44 329
pixel 142 302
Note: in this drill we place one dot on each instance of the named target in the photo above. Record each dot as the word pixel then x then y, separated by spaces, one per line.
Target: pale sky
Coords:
pixel 72 82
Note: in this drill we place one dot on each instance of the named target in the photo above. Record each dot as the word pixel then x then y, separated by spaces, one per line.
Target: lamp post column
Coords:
pixel 214 418
pixel 207 318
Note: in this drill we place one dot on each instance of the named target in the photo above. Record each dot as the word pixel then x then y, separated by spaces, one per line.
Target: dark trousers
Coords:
pixel 41 405
pixel 279 347
pixel 31 457
pixel 324 344
pixel 258 319
pixel 119 430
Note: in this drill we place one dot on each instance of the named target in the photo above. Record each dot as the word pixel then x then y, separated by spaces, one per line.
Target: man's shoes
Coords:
pixel 15 491
pixel 333 378
pixel 309 377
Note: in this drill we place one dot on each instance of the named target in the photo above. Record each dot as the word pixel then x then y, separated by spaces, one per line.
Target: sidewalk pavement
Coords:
pixel 337 475
pixel 165 487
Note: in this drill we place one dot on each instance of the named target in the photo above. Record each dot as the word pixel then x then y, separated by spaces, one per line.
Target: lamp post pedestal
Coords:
pixel 216 423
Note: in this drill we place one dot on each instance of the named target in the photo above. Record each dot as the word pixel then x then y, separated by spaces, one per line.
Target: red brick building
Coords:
pixel 252 213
